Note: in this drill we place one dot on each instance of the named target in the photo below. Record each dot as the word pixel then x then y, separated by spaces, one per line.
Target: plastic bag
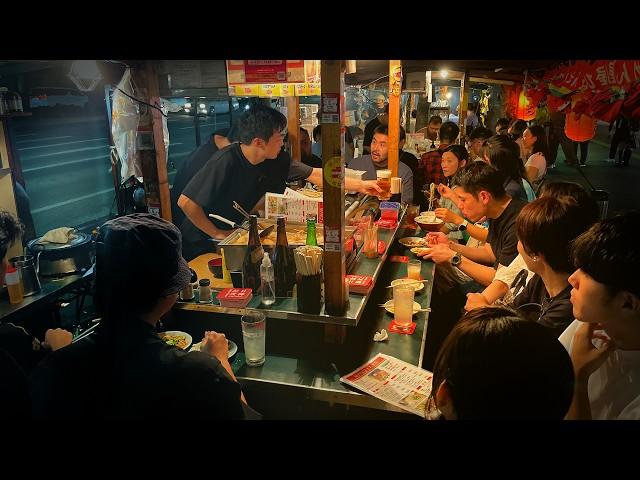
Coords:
pixel 124 124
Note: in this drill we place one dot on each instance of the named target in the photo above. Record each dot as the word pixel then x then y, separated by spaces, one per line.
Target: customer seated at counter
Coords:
pixel 546 227
pixel 125 371
pixel 378 160
pixel 482 194
pixel 604 340
pixel 19 350
pixel 243 172
pixel 506 276
pixel 495 365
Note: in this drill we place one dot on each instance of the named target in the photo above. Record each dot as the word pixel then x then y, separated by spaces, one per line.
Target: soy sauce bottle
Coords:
pixel 284 266
pixel 252 258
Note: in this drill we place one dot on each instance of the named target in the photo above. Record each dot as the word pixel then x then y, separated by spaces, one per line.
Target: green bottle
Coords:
pixel 311 230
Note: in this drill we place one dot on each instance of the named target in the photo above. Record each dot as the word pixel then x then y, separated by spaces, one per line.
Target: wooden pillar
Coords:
pixel 464 100
pixel 331 109
pixel 158 139
pixel 293 126
pixel 395 88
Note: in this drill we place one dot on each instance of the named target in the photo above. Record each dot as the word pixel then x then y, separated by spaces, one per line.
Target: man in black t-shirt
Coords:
pixel 481 193
pixel 241 172
pixel 192 165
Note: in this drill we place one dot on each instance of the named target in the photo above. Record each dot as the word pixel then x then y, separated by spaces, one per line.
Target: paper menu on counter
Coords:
pixel 393 381
pixel 295 208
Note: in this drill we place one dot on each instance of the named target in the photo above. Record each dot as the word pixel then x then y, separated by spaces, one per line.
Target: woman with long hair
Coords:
pixel 504 154
pixel 454 157
pixel 536 144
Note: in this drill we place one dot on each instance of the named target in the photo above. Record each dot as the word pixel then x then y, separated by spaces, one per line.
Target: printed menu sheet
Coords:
pixel 394 381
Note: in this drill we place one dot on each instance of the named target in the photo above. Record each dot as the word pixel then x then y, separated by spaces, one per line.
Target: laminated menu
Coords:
pixel 294 206
pixel 394 381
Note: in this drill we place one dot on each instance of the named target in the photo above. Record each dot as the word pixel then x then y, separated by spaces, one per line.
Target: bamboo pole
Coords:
pixel 395 88
pixel 158 140
pixel 293 126
pixel 331 110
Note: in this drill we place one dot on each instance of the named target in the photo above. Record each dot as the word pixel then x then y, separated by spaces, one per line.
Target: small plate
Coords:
pixel 176 333
pixel 233 348
pixel 417 286
pixel 413 241
pixel 420 250
pixel 388 306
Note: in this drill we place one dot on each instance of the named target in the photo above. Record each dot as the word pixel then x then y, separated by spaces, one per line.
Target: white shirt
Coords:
pixel 614 389
pixel 538 161
pixel 508 274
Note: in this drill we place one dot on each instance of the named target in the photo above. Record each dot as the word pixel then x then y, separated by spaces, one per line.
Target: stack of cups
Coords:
pixel 396 189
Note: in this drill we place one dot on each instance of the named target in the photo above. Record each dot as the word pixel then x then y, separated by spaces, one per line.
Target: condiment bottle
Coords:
pixel 14 285
pixel 311 230
pixel 205 290
pixel 252 258
pixel 266 281
pixel 284 267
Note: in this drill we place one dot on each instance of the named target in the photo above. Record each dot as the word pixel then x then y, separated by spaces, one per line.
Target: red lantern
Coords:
pixel 526 109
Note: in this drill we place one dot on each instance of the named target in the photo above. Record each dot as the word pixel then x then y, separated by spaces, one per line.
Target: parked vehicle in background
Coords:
pixel 57 98
pixel 205 106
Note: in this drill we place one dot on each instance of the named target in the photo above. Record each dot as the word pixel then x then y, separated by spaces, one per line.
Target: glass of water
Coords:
pixel 253 337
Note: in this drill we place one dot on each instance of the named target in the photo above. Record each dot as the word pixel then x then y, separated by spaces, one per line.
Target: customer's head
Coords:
pixel 262 128
pixel 496 365
pixel 454 157
pixel 380 145
pixel 433 127
pixel 546 227
pixel 317 133
pixel 449 132
pixel 576 191
pixel 534 138
pixel 476 139
pixel 504 154
pixel 479 185
pixel 305 142
pixel 606 285
pixel 502 126
pixel 10 231
pixel 517 128
pixel 139 267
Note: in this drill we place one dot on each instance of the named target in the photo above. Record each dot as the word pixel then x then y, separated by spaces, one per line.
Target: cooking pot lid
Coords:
pixel 80 239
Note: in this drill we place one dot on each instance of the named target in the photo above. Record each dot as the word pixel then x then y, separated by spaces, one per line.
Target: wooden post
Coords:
pixel 158 139
pixel 464 100
pixel 293 126
pixel 331 110
pixel 395 88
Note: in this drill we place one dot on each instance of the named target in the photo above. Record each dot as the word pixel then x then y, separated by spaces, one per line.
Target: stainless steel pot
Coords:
pixel 64 259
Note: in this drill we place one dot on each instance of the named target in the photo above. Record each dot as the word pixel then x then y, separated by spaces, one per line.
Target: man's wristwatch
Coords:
pixel 463 226
pixel 456 259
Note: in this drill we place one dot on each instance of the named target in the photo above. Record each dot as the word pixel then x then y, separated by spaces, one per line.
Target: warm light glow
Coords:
pixel 448 95
pixel 444 73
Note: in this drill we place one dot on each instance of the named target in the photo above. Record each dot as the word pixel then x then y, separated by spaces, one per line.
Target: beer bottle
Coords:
pixel 252 258
pixel 284 266
pixel 311 230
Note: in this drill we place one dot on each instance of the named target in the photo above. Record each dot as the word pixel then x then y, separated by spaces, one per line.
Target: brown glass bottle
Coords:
pixel 284 267
pixel 252 258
